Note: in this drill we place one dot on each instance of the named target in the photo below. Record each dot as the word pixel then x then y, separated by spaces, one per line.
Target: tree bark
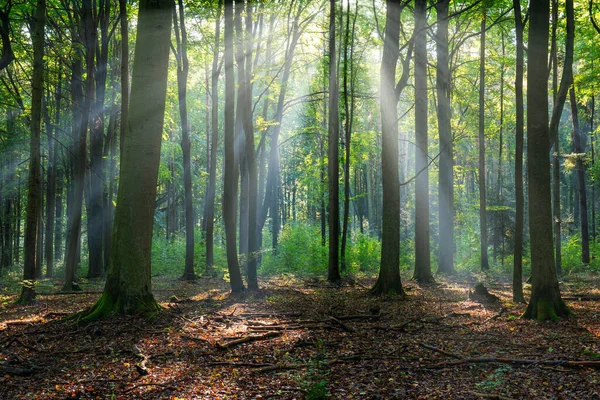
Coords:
pixel 230 183
pixel 128 288
pixel 481 169
pixel 579 151
pixel 333 269
pixel 389 281
pixel 212 176
pixel 34 193
pixel 248 124
pixel 446 175
pixel 545 302
pixel 557 109
pixel 95 220
pixel 348 125
pixel 80 127
pixel 182 76
pixel 517 288
pixel 422 273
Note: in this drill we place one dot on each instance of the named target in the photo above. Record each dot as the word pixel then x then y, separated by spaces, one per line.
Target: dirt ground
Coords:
pixel 297 339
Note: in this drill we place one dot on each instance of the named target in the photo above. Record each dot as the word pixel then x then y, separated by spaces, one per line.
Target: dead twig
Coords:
pixel 342 325
pixel 246 339
pixel 141 366
pixel 514 361
pixel 444 352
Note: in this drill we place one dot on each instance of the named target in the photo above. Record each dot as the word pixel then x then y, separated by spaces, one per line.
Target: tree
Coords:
pixel 388 281
pixel 128 288
pixel 557 109
pixel 519 198
pixel 446 175
pixel 422 272
pixel 348 122
pixel 209 212
pixel 230 182
pixel 546 302
pixel 34 193
pixel 333 270
pixel 481 168
pixel 183 69
pixel 580 171
pixel 81 111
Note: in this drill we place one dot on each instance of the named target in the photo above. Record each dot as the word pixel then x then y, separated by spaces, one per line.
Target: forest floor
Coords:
pixel 298 338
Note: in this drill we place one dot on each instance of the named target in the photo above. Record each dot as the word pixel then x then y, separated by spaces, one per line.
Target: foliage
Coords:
pixel 299 252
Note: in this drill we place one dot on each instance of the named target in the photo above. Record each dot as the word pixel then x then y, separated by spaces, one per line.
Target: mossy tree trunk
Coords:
pixel 545 302
pixel 128 288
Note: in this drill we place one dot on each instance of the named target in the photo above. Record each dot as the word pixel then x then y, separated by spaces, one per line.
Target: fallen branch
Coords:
pixel 16 371
pixel 271 328
pixel 141 366
pixel 358 317
pixel 238 364
pixel 342 325
pixel 246 339
pixel 267 315
pixel 514 361
pixel 444 352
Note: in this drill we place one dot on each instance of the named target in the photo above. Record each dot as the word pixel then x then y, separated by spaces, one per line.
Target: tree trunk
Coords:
pixel 34 193
pixel 80 125
pixel 95 220
pixel 212 176
pixel 578 149
pixel 545 302
pixel 182 76
pixel 248 123
pixel 517 289
pixel 593 161
pixel 559 102
pixel 128 288
pixel 230 183
pixel 124 71
pixel 51 179
pixel 481 169
pixel 500 196
pixel 333 269
pixel 349 120
pixel 58 226
pixel 389 281
pixel 446 175
pixel 422 273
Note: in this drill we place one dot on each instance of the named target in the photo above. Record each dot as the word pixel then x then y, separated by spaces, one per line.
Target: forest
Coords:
pixel 304 199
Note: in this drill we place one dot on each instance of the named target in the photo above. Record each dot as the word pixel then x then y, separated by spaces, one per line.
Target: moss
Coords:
pixel 545 311
pixel 107 305
pixel 27 295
